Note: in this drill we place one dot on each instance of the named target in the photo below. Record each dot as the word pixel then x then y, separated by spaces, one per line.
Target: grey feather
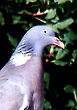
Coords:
pixel 21 79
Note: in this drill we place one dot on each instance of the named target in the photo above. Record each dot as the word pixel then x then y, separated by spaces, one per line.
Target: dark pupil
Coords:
pixel 44 31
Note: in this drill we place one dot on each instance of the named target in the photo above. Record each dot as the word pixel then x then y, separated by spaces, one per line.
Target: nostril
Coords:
pixel 57 40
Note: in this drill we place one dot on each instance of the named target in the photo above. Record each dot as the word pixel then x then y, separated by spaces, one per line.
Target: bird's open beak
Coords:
pixel 58 42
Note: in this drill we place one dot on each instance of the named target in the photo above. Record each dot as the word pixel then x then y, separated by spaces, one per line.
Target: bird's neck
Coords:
pixel 25 52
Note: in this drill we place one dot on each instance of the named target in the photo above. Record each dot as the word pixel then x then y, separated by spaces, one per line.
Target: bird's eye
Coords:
pixel 44 31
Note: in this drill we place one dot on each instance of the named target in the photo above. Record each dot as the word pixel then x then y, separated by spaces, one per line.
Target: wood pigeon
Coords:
pixel 21 79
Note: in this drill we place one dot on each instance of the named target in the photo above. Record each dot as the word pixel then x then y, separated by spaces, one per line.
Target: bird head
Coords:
pixel 42 36
pixel 37 38
pixel 33 43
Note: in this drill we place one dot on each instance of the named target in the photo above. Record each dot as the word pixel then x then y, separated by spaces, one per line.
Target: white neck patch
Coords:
pixel 20 59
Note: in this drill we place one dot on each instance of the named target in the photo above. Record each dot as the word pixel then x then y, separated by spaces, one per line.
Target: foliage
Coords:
pixel 17 16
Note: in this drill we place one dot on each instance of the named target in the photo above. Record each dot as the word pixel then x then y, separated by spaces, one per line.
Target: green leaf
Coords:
pixel 69 89
pixel 62 1
pixel 2 22
pixel 60 63
pixel 61 53
pixel 24 11
pixel 51 14
pixel 71 1
pixel 74 55
pixel 53 27
pixel 63 24
pixel 18 1
pixel 47 105
pixel 70 36
pixel 75 107
pixel 12 40
pixel 71 103
pixel 46 79
pixel 28 1
pixel 55 20
pixel 16 19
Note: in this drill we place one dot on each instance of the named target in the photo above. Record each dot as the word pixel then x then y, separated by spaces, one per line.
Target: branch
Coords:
pixel 34 15
pixel 40 13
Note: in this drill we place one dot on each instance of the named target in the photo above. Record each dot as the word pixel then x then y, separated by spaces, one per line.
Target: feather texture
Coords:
pixel 21 79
